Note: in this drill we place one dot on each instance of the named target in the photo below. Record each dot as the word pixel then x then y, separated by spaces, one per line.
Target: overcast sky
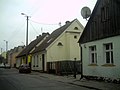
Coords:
pixel 45 16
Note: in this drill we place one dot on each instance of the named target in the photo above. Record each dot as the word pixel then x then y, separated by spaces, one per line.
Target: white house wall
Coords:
pixel 100 70
pixel 38 62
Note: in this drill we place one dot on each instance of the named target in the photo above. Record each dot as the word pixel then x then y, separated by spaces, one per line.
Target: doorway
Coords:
pixel 43 62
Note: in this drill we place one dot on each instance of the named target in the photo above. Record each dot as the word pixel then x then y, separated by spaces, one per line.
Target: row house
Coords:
pixel 59 50
pixel 11 55
pixel 100 42
pixel 25 57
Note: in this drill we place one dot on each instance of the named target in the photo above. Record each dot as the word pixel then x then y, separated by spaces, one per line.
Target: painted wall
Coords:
pixel 56 52
pixel 18 62
pixel 100 70
pixel 13 59
pixel 36 63
pixel 70 48
pixel 67 51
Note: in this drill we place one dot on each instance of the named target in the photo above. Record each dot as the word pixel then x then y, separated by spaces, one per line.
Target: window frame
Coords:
pixel 94 53
pixel 37 61
pixel 104 13
pixel 108 51
pixel 76 28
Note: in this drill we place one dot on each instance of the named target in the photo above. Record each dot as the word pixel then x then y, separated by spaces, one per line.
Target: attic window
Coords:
pixel 106 1
pixel 59 44
pixel 75 37
pixel 104 14
pixel 76 28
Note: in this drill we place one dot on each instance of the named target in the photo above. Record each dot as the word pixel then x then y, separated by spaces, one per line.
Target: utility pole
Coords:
pixel 27 31
pixel 6 49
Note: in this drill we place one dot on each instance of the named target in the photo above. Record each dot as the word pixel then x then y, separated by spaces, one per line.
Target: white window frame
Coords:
pixel 94 53
pixel 110 51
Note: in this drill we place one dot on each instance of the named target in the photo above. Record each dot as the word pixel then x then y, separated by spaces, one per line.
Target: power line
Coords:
pixel 42 23
pixel 34 28
pixel 16 32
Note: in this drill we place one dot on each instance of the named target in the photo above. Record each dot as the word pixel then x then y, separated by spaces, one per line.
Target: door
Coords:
pixel 43 62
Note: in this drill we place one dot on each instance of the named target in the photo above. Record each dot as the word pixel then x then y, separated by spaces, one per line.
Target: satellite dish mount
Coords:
pixel 85 12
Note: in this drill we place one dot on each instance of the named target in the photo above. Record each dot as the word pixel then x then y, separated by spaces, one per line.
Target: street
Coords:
pixel 10 79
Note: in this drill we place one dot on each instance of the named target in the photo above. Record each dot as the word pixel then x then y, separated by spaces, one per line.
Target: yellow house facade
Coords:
pixel 61 46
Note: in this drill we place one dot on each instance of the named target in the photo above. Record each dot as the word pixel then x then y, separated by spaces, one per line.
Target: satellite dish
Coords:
pixel 85 12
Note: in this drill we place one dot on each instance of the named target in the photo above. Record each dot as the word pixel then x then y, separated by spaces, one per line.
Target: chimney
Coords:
pixel 43 34
pixel 67 22
pixel 38 36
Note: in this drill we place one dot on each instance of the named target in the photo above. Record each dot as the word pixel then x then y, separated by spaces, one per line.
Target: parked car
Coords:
pixel 24 68
pixel 7 66
pixel 2 65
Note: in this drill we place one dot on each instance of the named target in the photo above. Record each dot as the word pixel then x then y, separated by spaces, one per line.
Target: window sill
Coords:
pixel 108 65
pixel 92 65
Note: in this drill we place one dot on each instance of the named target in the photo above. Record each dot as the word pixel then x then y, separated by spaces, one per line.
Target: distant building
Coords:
pixel 1 59
pixel 100 42
pixel 12 55
pixel 3 54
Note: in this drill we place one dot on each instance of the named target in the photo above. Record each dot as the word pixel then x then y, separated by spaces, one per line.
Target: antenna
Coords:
pixel 60 24
pixel 85 12
pixel 41 30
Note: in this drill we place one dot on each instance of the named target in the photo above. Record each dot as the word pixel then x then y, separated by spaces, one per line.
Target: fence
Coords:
pixel 64 67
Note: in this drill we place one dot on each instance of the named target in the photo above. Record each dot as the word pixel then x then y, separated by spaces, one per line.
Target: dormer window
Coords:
pixel 76 28
pixel 59 44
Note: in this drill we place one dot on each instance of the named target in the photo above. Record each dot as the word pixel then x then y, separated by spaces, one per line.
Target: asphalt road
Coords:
pixel 10 79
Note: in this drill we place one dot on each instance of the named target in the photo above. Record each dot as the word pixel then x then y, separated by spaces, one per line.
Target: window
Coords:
pixel 108 52
pixel 59 44
pixel 76 28
pixel 93 55
pixel 75 37
pixel 34 62
pixel 104 14
pixel 106 2
pixel 37 61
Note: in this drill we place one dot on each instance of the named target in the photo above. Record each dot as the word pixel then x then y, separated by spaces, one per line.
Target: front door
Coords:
pixel 43 62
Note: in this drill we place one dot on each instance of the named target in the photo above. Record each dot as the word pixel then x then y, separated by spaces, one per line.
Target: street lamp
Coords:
pixel 26 34
pixel 6 48
pixel 27 27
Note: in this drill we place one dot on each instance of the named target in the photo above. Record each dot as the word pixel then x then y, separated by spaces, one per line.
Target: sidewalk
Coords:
pixel 83 83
